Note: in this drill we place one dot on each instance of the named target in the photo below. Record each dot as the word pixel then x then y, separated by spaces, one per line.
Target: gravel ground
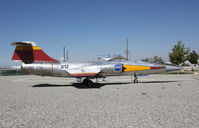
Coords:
pixel 162 101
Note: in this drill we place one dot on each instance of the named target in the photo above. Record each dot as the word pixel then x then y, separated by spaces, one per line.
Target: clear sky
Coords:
pixel 89 28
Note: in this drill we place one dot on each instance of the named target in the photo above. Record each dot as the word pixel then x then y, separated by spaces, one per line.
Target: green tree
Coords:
pixel 179 54
pixel 193 57
pixel 158 60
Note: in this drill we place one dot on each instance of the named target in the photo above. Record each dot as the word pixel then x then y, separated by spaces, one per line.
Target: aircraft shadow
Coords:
pixel 157 81
pixel 79 85
pixel 96 85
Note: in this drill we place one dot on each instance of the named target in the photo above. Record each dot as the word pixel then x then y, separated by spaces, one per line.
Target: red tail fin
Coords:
pixel 29 52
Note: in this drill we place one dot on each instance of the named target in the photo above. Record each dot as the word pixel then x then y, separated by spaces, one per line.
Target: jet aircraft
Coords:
pixel 36 61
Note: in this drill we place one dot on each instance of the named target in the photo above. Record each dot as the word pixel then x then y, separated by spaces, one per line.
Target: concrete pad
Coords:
pixel 157 101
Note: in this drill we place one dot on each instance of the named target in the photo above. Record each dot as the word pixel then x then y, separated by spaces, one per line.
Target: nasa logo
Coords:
pixel 118 67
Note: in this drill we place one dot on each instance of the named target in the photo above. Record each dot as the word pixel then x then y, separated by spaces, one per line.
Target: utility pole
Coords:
pixel 64 54
pixel 127 49
pixel 67 56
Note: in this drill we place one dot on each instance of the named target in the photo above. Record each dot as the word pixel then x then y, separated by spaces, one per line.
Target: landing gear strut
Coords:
pixel 88 82
pixel 135 79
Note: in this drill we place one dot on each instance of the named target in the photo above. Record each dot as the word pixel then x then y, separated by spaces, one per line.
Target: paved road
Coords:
pixel 157 101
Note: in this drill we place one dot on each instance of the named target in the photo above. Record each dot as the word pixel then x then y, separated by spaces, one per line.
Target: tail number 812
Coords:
pixel 64 66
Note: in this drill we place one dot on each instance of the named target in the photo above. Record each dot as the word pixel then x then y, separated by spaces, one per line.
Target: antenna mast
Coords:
pixel 127 49
pixel 67 55
pixel 64 54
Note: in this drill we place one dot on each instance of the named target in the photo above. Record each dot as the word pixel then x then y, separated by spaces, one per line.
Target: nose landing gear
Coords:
pixel 135 79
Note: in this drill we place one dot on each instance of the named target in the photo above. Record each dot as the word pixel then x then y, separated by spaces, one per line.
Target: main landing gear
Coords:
pixel 135 79
pixel 88 82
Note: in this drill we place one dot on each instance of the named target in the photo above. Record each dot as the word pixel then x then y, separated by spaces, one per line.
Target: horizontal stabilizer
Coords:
pixel 24 43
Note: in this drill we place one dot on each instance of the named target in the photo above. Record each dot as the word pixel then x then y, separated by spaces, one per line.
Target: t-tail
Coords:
pixel 29 52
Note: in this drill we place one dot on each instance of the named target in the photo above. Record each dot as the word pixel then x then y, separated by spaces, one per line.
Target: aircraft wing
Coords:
pixel 117 58
pixel 113 58
pixel 84 72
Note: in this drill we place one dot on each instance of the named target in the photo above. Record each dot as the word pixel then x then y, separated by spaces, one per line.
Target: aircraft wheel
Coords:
pixel 88 83
pixel 135 81
pixel 85 81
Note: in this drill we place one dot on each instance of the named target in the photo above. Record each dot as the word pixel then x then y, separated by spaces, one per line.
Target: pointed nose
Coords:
pixel 172 68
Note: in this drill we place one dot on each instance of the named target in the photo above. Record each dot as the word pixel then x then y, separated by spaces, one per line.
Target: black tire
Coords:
pixel 135 81
pixel 85 81
pixel 90 84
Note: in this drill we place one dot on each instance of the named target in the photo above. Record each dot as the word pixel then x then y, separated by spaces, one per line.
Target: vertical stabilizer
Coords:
pixel 29 52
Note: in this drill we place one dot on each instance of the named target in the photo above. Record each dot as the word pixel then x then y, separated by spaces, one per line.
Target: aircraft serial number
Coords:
pixel 64 66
